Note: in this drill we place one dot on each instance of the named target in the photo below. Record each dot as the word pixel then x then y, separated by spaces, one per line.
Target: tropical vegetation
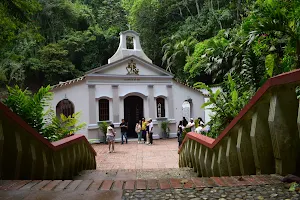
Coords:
pixel 34 109
pixel 46 41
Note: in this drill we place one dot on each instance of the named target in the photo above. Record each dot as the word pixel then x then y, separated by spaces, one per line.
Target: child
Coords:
pixel 111 137
pixel 138 131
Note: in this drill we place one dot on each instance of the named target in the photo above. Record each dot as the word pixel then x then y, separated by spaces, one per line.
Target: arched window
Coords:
pixel 65 107
pixel 160 106
pixel 103 110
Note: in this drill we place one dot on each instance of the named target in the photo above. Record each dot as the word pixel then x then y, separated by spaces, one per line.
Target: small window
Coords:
pixel 103 110
pixel 160 105
pixel 65 107
pixel 129 42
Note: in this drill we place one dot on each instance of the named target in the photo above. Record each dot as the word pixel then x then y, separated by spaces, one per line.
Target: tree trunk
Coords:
pixel 198 9
pixel 213 12
pixel 238 7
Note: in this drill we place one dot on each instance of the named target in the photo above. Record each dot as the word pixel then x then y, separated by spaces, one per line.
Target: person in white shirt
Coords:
pixel 201 122
pixel 150 131
pixel 110 135
pixel 199 129
pixel 192 125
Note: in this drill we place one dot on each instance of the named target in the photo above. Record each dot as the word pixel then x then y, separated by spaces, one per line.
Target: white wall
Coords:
pixel 208 112
pixel 78 94
pixel 103 91
pixel 160 90
pixel 127 89
pixel 182 93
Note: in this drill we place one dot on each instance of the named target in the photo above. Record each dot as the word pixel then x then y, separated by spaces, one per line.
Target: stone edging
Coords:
pixel 95 185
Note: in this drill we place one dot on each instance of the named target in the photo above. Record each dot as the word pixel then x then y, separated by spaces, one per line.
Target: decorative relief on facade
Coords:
pixel 131 68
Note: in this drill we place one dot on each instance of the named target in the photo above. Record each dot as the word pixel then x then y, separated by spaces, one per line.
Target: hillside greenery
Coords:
pixel 46 41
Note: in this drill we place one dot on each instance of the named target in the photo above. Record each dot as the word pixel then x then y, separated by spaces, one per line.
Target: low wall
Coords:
pixel 25 154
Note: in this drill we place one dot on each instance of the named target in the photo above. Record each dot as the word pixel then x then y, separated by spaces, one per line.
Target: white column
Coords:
pixel 92 105
pixel 152 106
pixel 116 101
pixel 170 102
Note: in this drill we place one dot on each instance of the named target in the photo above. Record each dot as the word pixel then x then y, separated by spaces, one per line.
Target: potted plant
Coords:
pixel 103 128
pixel 165 129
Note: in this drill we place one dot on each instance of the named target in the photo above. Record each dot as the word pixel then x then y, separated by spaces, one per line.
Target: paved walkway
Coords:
pixel 163 154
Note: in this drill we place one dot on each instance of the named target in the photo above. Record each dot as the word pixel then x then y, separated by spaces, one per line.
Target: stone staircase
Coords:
pixel 179 183
pixel 137 184
pixel 136 174
pixel 262 139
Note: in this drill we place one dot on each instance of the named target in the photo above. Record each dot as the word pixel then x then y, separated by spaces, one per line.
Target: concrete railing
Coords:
pixel 25 154
pixel 263 139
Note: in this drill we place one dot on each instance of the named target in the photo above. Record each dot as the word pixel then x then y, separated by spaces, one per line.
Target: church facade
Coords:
pixel 129 87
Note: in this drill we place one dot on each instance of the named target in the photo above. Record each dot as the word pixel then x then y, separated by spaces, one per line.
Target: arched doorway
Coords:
pixel 65 107
pixel 133 111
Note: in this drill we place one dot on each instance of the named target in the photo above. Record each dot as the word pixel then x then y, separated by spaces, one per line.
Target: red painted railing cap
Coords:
pixel 54 146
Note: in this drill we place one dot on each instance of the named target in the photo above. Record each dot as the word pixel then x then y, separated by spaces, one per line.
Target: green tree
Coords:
pixel 14 15
pixel 225 105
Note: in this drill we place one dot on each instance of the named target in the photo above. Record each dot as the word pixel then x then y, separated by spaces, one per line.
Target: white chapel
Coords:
pixel 129 87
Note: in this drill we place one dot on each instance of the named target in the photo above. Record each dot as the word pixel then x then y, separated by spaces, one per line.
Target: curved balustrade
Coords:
pixel 263 139
pixel 25 154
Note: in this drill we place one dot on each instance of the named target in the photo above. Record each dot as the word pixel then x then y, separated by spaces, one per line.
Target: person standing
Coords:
pixel 201 122
pixel 110 135
pixel 150 131
pixel 179 133
pixel 124 127
pixel 138 131
pixel 192 125
pixel 144 126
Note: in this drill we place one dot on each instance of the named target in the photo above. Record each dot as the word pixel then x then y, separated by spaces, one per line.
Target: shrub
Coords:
pixel 62 126
pixel 165 127
pixel 31 108
pixel 225 105
pixel 103 127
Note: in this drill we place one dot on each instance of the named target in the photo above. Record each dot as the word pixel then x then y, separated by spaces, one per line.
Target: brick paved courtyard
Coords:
pixel 161 155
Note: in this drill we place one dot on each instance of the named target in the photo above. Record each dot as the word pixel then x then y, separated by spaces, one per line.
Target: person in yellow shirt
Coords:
pixel 144 126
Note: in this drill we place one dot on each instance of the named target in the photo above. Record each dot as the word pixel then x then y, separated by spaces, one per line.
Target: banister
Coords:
pixel 57 145
pixel 271 118
pixel 39 158
pixel 16 118
pixel 281 79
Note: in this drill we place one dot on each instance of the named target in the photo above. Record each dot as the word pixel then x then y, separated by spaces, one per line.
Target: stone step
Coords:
pixel 132 174
pixel 106 185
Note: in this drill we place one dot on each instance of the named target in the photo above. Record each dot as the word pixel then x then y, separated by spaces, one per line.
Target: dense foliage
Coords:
pixel 224 104
pixel 46 41
pixel 31 108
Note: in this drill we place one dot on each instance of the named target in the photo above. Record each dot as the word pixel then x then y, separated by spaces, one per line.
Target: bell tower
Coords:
pixel 129 45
